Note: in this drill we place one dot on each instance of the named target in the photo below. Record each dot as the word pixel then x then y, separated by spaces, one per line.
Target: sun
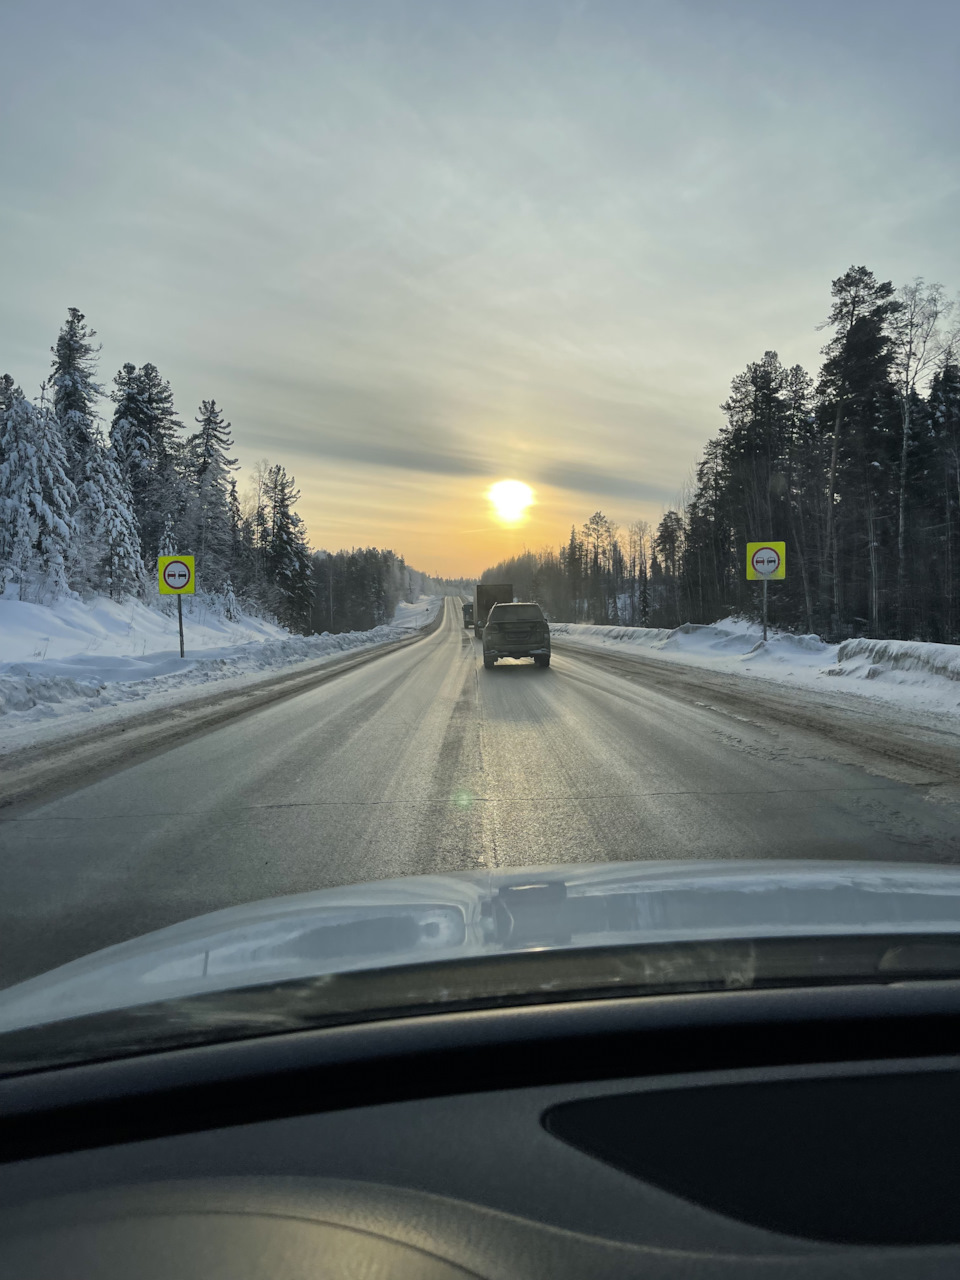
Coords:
pixel 510 499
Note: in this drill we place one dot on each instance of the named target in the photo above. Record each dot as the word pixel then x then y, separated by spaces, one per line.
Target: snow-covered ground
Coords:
pixel 902 672
pixel 60 664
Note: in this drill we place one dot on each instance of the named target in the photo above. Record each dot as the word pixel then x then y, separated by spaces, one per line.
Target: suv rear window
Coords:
pixel 516 613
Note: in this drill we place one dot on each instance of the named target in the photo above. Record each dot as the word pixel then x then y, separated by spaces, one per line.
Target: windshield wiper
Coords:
pixel 519 978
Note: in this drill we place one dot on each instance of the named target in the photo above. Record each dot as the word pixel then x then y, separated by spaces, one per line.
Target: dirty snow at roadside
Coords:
pixel 60 664
pixel 906 672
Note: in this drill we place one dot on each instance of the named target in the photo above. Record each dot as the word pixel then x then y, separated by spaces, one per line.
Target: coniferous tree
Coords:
pixel 76 390
pixel 853 375
pixel 36 501
pixel 107 558
pixel 105 555
pixel 208 512
pixel 287 557
pixel 914 350
pixel 144 441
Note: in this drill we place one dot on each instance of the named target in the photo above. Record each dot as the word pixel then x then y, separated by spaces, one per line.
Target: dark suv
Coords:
pixel 516 631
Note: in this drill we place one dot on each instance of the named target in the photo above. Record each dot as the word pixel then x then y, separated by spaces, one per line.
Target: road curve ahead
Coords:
pixel 421 761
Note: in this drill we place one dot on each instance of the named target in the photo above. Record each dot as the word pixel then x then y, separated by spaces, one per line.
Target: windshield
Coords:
pixel 335 340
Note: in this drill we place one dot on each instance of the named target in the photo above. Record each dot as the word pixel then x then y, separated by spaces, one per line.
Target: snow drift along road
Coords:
pixel 900 671
pixel 76 658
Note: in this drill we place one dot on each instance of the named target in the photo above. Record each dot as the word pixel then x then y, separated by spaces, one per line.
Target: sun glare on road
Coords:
pixel 510 499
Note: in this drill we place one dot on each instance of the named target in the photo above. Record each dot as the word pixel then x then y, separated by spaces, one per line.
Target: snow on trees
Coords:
pixel 75 389
pixel 106 557
pixel 144 441
pixel 105 554
pixel 208 516
pixel 37 499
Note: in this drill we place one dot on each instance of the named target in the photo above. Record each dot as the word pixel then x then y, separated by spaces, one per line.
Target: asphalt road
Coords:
pixel 421 761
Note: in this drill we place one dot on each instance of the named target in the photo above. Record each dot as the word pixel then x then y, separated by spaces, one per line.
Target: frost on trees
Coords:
pixel 108 557
pixel 75 389
pixel 144 441
pixel 105 555
pixel 37 499
pixel 208 519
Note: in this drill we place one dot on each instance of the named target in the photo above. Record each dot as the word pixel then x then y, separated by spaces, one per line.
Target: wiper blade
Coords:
pixel 519 978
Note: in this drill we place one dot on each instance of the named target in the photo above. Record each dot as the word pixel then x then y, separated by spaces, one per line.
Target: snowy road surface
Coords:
pixel 422 761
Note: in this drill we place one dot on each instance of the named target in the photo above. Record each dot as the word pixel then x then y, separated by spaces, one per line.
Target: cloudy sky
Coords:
pixel 414 248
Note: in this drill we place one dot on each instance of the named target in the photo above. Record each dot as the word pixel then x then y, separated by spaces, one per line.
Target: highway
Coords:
pixel 421 761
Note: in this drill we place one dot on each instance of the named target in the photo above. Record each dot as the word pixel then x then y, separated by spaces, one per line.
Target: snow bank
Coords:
pixel 70 629
pixel 76 657
pixel 899 670
pixel 874 658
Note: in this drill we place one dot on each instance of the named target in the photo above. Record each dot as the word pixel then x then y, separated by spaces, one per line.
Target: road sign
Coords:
pixel 176 575
pixel 766 561
pixel 177 578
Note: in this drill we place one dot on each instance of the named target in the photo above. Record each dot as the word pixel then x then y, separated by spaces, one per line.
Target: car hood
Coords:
pixel 470 915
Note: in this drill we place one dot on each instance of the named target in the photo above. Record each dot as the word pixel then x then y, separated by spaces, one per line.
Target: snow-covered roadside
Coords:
pixel 901 672
pixel 81 661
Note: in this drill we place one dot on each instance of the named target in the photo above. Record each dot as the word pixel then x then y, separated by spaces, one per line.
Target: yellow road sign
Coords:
pixel 766 561
pixel 176 574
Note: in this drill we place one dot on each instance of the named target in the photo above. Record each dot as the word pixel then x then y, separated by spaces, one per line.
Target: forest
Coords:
pixel 88 511
pixel 856 469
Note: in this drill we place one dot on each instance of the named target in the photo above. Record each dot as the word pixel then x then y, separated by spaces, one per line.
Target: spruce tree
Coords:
pixel 36 501
pixel 857 362
pixel 208 513
pixel 75 389
pixel 287 554
pixel 144 441
pixel 107 558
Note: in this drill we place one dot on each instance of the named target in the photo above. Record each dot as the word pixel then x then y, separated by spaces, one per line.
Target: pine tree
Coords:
pixel 107 557
pixel 144 441
pixel 208 514
pixel 287 554
pixel 167 545
pixel 7 393
pixel 75 389
pixel 857 362
pixel 915 350
pixel 944 418
pixel 36 501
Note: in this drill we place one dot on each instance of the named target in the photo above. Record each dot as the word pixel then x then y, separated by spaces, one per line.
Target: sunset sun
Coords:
pixel 510 500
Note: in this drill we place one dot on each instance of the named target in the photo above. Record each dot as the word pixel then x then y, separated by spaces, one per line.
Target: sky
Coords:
pixel 415 248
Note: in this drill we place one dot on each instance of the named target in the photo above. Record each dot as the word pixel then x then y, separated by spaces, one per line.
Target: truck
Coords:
pixel 467 608
pixel 485 596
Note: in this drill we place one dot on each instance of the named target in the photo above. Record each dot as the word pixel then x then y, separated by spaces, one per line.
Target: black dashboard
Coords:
pixel 805 1132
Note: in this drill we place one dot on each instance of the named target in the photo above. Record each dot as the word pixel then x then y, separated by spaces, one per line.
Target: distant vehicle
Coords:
pixel 485 596
pixel 516 631
pixel 467 613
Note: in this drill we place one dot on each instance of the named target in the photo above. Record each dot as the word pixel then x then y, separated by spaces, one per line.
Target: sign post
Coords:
pixel 766 561
pixel 177 578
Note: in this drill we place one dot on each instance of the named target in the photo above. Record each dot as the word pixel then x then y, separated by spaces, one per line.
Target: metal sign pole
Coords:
pixel 764 612
pixel 180 617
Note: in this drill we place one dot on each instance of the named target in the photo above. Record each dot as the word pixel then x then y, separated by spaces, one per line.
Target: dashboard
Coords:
pixel 804 1132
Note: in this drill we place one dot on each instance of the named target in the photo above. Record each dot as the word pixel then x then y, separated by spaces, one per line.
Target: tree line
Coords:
pixel 856 469
pixel 88 511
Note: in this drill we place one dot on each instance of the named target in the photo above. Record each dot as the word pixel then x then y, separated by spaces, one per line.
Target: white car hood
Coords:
pixel 420 919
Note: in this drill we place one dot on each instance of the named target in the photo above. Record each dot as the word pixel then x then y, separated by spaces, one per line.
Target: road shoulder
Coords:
pixel 888 732
pixel 52 765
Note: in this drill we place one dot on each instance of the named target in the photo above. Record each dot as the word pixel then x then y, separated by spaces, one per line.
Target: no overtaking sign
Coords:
pixel 766 561
pixel 177 578
pixel 176 575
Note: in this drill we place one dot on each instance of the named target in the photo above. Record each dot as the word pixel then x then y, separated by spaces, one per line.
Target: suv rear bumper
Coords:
pixel 515 651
